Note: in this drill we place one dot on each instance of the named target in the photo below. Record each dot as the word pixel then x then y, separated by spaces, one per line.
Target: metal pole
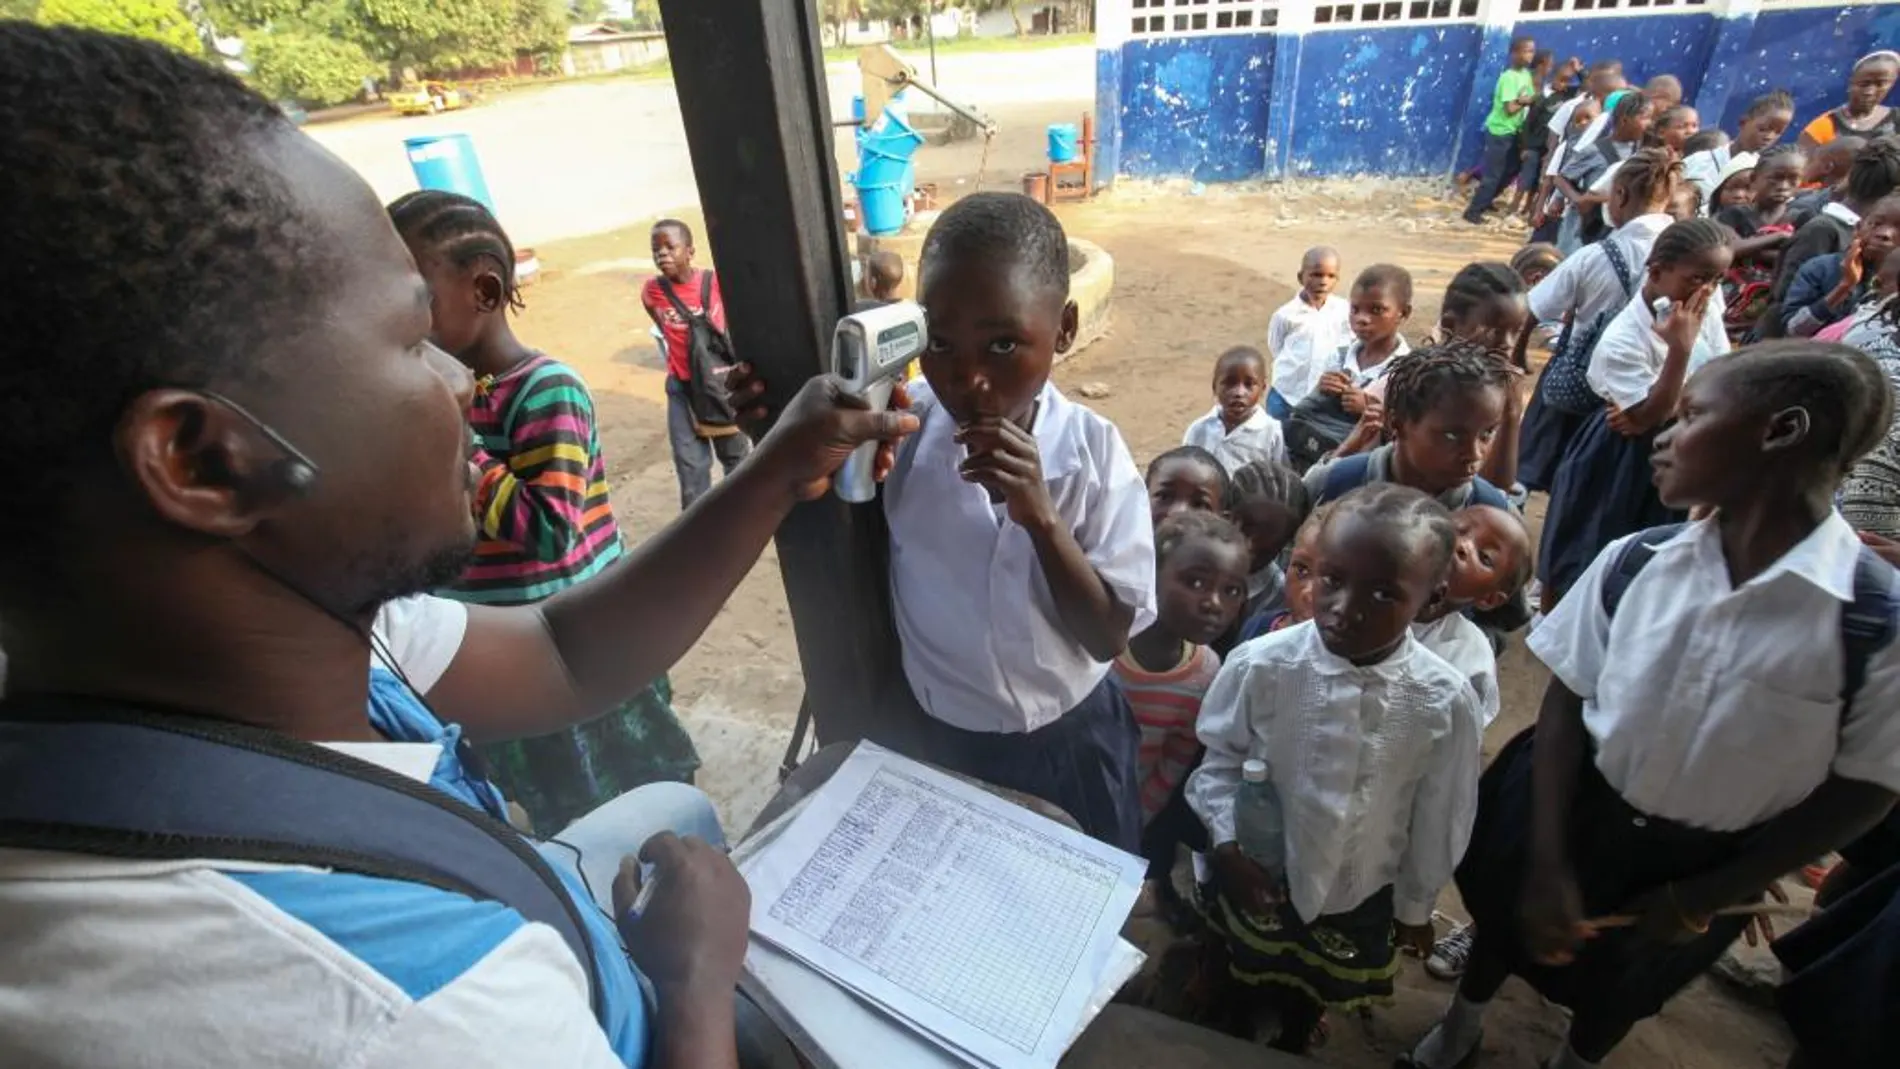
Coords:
pixel 930 34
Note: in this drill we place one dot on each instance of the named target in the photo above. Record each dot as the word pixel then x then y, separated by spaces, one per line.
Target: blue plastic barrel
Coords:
pixel 885 173
pixel 1062 142
pixel 447 162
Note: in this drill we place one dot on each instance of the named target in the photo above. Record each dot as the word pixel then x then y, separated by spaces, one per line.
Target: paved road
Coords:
pixel 586 157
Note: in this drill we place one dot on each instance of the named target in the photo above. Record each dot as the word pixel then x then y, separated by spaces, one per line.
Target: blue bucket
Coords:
pixel 447 162
pixel 1063 137
pixel 882 208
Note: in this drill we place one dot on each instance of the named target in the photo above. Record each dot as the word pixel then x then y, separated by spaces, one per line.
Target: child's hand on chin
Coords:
pixel 1005 461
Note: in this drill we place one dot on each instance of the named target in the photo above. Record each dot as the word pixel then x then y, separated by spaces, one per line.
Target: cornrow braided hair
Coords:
pixel 1264 480
pixel 1477 283
pixel 1771 101
pixel 1687 238
pixel 1199 456
pixel 1400 507
pixel 1419 379
pixel 1847 397
pixel 1649 176
pixel 1194 525
pixel 460 229
pixel 1775 152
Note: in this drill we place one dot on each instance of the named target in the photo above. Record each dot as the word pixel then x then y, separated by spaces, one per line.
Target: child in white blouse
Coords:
pixel 1371 744
pixel 1238 430
pixel 1724 706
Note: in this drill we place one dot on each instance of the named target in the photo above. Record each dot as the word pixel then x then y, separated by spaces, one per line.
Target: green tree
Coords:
pixel 585 11
pixel 18 9
pixel 309 68
pixel 163 21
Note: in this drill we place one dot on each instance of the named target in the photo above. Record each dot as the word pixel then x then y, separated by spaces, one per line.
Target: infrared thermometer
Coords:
pixel 870 351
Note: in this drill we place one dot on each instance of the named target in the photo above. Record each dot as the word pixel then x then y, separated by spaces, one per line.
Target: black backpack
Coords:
pixel 708 357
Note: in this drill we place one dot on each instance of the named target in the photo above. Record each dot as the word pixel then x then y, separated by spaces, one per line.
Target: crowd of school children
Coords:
pixel 1320 577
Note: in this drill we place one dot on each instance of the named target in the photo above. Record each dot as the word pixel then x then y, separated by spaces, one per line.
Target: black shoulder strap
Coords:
pixel 673 298
pixel 1868 622
pixel 108 780
pixel 1621 265
pixel 1630 562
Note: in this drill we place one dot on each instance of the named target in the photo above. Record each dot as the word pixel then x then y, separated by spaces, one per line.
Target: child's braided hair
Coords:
pixel 1476 283
pixel 1771 101
pixel 1649 176
pixel 1538 255
pixel 1421 377
pixel 1687 238
pixel 1184 527
pixel 460 228
pixel 1265 480
pixel 1199 456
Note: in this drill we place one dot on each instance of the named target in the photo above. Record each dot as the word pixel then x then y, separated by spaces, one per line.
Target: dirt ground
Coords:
pixel 1193 274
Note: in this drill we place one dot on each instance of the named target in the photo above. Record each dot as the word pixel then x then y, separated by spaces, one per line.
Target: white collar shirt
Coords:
pixel 1300 337
pixel 984 647
pixel 1463 645
pixel 1629 354
pixel 1347 360
pixel 1376 766
pixel 1259 437
pixel 1585 283
pixel 1718 706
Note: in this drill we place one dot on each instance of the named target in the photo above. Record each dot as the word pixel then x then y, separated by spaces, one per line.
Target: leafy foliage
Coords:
pixel 309 68
pixel 163 21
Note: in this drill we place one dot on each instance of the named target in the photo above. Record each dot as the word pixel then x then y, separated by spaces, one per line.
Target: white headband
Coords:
pixel 1886 54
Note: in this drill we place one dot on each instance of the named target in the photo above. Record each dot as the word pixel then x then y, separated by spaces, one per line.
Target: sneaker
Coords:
pixel 1451 954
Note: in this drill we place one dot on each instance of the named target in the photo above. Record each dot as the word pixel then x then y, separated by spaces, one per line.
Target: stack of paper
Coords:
pixel 985 929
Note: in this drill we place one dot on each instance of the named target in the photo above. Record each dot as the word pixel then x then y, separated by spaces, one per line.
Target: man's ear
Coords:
pixel 1786 429
pixel 195 463
pixel 490 292
pixel 1071 323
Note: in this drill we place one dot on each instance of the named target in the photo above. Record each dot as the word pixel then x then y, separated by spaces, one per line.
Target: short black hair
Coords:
pixel 1478 283
pixel 1628 106
pixel 1197 455
pixel 884 268
pixel 1391 276
pixel 1604 66
pixel 1004 229
pixel 1781 150
pixel 1673 112
pixel 148 243
pixel 1521 40
pixel 1418 380
pixel 460 229
pixel 1399 509
pixel 1541 56
pixel 1703 140
pixel 1771 101
pixel 1686 238
pixel 1194 525
pixel 1847 397
pixel 1265 480
pixel 1876 170
pixel 1240 352
pixel 677 226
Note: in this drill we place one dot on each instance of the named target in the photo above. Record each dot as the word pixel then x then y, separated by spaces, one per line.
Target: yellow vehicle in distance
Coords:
pixel 429 98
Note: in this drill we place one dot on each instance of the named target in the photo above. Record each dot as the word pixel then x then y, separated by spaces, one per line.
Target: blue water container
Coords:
pixel 884 173
pixel 1063 137
pixel 447 162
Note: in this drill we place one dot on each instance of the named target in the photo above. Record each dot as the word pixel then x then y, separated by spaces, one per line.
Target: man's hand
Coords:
pixel 692 935
pixel 1552 917
pixel 1761 927
pixel 1414 939
pixel 1662 916
pixel 819 429
pixel 1244 883
pixel 1005 461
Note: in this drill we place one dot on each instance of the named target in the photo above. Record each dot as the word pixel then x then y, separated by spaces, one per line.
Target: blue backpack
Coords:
pixel 1867 623
pixel 1347 474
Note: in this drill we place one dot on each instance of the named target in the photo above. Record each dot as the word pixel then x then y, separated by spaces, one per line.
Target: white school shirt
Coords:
pixel 1560 119
pixel 1629 353
pixel 1602 187
pixel 1300 337
pixel 1258 438
pixel 1584 281
pixel 1376 767
pixel 1716 706
pixel 1463 645
pixel 984 648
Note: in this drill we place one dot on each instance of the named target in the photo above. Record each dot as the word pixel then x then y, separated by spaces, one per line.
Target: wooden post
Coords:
pixel 751 82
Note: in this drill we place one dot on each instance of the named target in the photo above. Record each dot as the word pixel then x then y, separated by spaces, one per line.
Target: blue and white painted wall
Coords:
pixel 1219 90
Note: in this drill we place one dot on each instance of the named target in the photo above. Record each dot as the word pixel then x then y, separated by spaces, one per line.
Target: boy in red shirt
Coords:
pixel 694 444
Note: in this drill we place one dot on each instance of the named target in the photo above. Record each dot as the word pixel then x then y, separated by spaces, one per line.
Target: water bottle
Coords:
pixel 1259 826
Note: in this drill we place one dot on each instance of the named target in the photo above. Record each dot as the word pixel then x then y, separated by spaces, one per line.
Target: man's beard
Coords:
pixel 391 578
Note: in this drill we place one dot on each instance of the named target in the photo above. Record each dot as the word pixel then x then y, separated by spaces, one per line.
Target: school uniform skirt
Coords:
pixel 1843 986
pixel 1617 853
pixel 1602 492
pixel 1542 436
pixel 1342 960
pixel 1084 762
